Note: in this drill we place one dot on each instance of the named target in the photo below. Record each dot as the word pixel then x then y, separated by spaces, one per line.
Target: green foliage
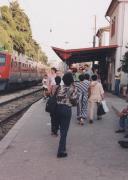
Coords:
pixel 16 34
pixel 125 63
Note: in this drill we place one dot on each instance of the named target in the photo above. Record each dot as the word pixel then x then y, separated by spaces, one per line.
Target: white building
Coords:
pixel 103 36
pixel 117 15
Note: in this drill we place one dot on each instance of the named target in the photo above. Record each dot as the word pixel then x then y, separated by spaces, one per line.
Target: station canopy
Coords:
pixel 71 56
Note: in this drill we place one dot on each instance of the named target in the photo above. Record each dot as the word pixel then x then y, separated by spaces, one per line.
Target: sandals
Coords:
pixel 90 121
pixel 81 122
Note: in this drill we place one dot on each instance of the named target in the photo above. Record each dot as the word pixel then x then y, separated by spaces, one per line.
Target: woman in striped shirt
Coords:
pixel 82 88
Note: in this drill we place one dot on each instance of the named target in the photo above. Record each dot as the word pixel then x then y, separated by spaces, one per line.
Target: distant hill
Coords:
pixel 16 33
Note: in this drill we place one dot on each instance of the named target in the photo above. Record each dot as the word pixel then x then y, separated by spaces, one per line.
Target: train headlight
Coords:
pixel 0 76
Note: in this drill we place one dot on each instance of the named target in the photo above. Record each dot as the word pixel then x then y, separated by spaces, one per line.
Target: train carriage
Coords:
pixel 19 70
pixel 4 69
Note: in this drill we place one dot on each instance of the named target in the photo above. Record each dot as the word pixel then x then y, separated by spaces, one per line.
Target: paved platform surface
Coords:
pixel 94 153
pixel 8 97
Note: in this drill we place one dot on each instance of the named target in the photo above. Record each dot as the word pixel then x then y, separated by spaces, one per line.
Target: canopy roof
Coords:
pixel 85 54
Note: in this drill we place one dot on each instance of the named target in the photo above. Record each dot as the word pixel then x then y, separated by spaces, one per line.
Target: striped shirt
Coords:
pixel 83 87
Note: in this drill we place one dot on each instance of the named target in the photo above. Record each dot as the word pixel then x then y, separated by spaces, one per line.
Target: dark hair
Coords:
pixel 119 69
pixel 86 65
pixel 54 69
pixel 58 80
pixel 68 79
pixel 45 75
pixel 94 77
pixel 81 77
pixel 74 70
pixel 87 76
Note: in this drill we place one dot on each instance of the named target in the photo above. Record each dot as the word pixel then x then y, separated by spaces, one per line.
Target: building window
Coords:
pixel 113 26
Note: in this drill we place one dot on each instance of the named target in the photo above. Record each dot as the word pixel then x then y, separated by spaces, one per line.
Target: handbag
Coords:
pixel 105 107
pixel 51 103
pixel 100 110
pixel 73 99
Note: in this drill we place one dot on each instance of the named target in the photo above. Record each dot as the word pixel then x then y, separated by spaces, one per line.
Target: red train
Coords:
pixel 17 70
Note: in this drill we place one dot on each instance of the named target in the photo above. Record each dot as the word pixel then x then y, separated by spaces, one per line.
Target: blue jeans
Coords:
pixel 64 117
pixel 124 123
pixel 117 87
pixel 54 123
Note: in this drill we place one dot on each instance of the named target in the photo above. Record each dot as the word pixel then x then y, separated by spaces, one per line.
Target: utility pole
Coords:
pixel 94 36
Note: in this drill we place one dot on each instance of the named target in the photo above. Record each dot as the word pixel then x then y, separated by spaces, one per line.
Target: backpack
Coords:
pixel 51 103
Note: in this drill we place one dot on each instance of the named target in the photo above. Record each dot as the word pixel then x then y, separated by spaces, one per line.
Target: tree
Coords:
pixel 125 63
pixel 16 33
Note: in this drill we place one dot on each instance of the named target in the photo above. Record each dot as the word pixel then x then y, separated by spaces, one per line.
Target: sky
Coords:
pixel 65 24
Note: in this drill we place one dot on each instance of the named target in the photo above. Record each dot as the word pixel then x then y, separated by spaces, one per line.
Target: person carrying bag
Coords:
pixel 51 103
pixel 51 106
pixel 66 98
pixel 96 96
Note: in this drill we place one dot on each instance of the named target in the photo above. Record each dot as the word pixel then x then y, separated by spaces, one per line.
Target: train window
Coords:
pixel 2 60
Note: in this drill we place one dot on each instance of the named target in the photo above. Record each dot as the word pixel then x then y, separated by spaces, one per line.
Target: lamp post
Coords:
pixel 94 36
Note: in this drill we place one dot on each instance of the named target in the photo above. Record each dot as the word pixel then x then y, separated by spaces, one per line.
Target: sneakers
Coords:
pixel 123 144
pixel 126 136
pixel 90 121
pixel 62 155
pixel 81 122
pixel 120 131
pixel 99 118
pixel 54 134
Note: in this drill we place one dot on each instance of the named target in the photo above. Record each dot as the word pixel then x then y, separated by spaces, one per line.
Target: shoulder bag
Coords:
pixel 51 104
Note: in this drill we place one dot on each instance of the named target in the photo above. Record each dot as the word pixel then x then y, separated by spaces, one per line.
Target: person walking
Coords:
pixel 96 96
pixel 117 82
pixel 82 88
pixel 65 96
pixel 87 70
pixel 54 120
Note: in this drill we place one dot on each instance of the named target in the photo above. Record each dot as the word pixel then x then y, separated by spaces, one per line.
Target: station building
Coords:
pixel 111 47
pixel 117 15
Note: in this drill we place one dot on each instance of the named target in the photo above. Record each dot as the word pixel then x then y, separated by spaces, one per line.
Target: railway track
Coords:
pixel 13 109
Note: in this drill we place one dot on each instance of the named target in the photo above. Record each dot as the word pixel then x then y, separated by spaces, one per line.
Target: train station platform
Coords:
pixel 12 96
pixel 28 152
